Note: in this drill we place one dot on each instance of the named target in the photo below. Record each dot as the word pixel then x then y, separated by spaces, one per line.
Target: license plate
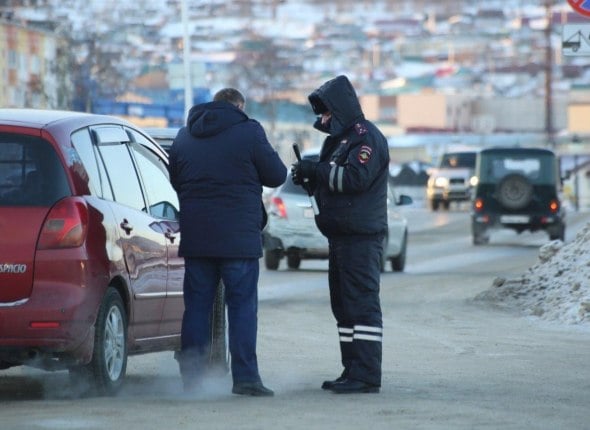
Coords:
pixel 514 219
pixel 308 213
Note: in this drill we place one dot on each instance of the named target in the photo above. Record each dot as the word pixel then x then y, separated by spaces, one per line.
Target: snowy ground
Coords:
pixel 556 288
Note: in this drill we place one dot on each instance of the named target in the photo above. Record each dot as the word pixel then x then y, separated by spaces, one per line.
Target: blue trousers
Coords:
pixel 240 277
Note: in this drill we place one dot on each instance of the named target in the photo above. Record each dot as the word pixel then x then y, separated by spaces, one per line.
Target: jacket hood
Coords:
pixel 209 119
pixel 339 97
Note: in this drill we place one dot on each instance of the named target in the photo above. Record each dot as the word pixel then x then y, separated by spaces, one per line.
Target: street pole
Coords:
pixel 186 60
pixel 549 76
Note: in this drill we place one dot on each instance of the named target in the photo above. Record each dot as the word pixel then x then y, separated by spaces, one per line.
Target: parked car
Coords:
pixel 452 180
pixel 518 189
pixel 163 135
pixel 291 232
pixel 89 266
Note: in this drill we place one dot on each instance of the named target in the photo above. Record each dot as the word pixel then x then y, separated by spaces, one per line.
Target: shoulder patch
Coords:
pixel 365 154
pixel 360 129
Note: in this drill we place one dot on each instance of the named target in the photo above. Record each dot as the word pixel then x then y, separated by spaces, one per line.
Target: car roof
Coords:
pixel 162 132
pixel 42 118
pixel 516 149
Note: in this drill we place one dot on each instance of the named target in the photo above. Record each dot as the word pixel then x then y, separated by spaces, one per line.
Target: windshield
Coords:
pixel 538 168
pixel 459 159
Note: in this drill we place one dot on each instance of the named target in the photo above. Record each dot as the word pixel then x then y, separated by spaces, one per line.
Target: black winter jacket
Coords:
pixel 218 165
pixel 351 181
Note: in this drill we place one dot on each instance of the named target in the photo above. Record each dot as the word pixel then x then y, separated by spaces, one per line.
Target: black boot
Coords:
pixel 327 385
pixel 255 389
pixel 351 386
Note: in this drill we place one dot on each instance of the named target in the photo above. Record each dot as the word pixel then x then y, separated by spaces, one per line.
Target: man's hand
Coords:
pixel 304 172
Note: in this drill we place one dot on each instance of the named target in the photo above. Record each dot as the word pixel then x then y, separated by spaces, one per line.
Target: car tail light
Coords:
pixel 478 205
pixel 66 225
pixel 44 324
pixel 553 206
pixel 280 207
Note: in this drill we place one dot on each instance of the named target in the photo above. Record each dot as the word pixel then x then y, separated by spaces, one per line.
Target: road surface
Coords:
pixel 449 362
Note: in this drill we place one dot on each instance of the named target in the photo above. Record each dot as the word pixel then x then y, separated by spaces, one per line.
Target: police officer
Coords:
pixel 349 183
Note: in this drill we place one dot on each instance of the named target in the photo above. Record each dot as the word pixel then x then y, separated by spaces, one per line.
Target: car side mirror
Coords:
pixel 404 200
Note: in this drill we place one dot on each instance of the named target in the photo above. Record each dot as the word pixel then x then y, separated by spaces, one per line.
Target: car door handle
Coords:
pixel 126 226
pixel 170 236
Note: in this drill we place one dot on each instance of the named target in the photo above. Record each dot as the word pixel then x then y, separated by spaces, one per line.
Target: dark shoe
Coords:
pixel 328 385
pixel 252 389
pixel 350 386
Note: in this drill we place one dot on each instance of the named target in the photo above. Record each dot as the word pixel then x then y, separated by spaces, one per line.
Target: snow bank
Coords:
pixel 556 288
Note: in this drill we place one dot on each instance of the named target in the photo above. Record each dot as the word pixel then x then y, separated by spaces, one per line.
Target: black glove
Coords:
pixel 304 172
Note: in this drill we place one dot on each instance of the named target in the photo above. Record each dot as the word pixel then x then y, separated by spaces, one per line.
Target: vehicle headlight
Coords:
pixel 441 182
pixel 473 181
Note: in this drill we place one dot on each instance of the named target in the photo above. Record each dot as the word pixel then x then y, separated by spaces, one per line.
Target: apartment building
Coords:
pixel 28 65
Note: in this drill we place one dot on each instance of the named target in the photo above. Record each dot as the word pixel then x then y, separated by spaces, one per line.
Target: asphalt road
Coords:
pixel 449 362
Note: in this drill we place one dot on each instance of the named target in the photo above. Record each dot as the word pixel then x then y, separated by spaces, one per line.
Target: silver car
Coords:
pixel 164 136
pixel 291 231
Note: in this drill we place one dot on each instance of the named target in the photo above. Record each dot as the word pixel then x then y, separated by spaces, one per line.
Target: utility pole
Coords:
pixel 549 130
pixel 186 60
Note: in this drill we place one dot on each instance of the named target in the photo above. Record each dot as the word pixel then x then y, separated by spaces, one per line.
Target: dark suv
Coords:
pixel 517 189
pixel 89 266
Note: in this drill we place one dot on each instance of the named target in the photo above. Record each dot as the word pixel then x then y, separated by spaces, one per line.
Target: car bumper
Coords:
pixel 452 195
pixel 54 326
pixel 518 221
pixel 458 195
pixel 296 239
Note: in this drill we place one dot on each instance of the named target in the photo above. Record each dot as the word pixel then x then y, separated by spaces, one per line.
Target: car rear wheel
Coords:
pixel 106 371
pixel 557 232
pixel 272 258
pixel 480 235
pixel 293 260
pixel 514 191
pixel 398 263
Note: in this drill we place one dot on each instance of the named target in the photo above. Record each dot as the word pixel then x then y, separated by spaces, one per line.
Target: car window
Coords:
pixel 291 188
pixel 122 174
pixel 97 178
pixel 161 196
pixel 539 169
pixel 30 172
pixel 459 159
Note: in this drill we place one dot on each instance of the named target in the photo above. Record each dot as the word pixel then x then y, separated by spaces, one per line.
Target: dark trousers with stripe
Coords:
pixel 354 276
pixel 240 277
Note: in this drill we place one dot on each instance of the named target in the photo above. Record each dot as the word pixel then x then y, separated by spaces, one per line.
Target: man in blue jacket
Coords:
pixel 218 164
pixel 350 186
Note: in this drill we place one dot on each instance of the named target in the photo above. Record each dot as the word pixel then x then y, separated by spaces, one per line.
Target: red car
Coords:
pixel 89 268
